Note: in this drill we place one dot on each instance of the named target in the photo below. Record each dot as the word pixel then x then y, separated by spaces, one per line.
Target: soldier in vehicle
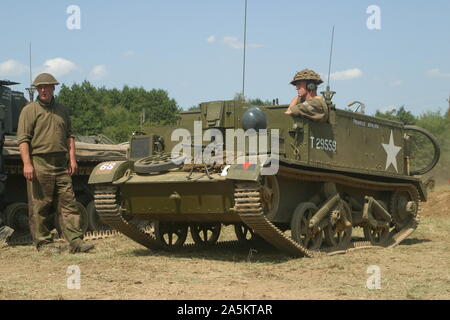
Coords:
pixel 307 103
pixel 47 149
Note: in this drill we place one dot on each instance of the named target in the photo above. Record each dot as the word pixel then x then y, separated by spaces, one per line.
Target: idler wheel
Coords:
pixel 310 238
pixel 170 235
pixel 403 209
pixel 339 233
pixel 95 222
pixel 17 217
pixel 270 196
pixel 205 234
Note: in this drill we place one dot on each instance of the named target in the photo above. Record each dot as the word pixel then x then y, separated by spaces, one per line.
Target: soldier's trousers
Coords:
pixel 51 190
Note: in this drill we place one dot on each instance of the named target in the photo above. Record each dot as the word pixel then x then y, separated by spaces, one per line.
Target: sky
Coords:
pixel 386 53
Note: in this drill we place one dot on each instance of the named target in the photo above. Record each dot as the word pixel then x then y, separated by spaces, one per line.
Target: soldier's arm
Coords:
pixel 28 169
pixel 313 109
pixel 294 102
pixel 24 135
pixel 73 166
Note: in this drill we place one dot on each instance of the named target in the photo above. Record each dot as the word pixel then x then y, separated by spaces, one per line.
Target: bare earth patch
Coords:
pixel 122 269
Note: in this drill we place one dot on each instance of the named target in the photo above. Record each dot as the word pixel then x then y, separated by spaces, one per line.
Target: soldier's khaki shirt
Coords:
pixel 315 109
pixel 46 127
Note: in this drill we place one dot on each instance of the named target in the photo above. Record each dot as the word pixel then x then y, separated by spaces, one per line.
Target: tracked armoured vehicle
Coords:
pixel 304 193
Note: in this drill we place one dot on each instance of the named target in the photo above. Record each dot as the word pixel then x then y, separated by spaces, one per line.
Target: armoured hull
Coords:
pixel 304 194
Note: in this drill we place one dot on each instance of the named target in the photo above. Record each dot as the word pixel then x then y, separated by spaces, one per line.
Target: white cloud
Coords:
pixel 211 39
pixel 58 67
pixel 346 74
pixel 234 43
pixel 98 72
pixel 128 53
pixel 436 73
pixel 396 83
pixel 12 68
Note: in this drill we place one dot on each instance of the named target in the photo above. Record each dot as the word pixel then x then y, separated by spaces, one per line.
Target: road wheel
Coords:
pixel 170 235
pixel 300 231
pixel 205 234
pixel 376 236
pixel 339 235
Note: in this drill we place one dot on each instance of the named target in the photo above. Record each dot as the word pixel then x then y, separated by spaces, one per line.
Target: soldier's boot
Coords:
pixel 80 246
pixel 49 248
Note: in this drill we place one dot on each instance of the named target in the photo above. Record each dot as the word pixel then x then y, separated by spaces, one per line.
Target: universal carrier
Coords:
pixel 304 194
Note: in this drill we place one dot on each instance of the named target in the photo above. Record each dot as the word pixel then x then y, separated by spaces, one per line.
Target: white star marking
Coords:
pixel 392 150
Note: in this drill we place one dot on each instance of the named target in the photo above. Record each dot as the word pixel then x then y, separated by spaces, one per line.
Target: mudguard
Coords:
pixel 243 170
pixel 107 172
pixel 246 171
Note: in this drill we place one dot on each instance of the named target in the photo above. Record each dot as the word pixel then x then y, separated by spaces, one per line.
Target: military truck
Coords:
pixel 90 151
pixel 11 103
pixel 303 193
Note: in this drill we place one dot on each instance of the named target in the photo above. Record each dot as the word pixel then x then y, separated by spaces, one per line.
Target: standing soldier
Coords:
pixel 307 103
pixel 47 148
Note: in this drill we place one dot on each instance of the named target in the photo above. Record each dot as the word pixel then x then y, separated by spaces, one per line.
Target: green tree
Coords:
pixel 85 108
pixel 116 113
pixel 400 115
pixel 439 125
pixel 421 148
pixel 254 102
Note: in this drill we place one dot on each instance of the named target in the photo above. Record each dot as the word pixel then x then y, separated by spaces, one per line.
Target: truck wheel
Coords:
pixel 17 217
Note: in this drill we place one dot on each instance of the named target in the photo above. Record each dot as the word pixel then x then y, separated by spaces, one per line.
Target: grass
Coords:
pixel 122 269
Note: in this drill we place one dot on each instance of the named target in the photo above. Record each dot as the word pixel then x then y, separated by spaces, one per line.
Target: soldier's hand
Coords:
pixel 73 167
pixel 28 172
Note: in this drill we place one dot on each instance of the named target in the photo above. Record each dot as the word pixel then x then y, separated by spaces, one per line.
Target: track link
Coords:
pixel 107 204
pixel 248 205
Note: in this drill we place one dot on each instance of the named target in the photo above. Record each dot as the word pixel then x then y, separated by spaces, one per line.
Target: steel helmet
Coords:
pixel 307 75
pixel 45 78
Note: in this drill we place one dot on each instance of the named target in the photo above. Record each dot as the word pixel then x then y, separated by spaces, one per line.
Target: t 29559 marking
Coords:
pixel 323 144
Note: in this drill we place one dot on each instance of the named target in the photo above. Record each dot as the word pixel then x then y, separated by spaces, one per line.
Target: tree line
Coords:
pixel 116 113
pixel 438 125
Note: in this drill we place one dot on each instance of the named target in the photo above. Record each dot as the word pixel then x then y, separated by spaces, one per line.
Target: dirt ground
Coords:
pixel 122 269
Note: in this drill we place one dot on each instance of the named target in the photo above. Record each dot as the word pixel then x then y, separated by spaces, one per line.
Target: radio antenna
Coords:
pixel 245 45
pixel 328 94
pixel 331 56
pixel 31 89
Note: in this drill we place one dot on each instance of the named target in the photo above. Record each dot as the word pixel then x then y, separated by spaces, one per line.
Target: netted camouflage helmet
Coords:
pixel 307 75
pixel 45 78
